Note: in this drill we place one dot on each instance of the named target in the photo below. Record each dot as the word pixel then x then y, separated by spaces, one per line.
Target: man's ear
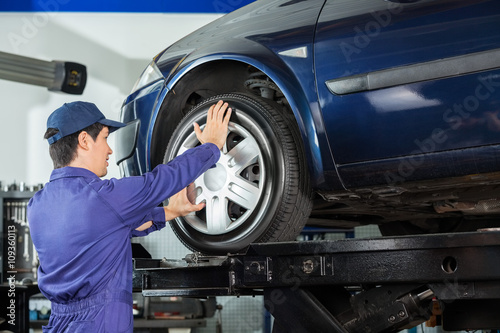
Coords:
pixel 83 140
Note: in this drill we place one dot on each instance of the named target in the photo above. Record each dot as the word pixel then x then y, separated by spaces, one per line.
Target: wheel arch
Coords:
pixel 229 70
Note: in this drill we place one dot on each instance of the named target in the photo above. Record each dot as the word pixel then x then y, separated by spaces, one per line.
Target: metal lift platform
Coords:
pixel 353 285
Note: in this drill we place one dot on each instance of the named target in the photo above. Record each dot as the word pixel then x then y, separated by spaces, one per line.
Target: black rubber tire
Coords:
pixel 285 201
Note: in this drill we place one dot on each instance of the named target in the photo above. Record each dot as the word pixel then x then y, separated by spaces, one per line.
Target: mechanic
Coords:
pixel 81 225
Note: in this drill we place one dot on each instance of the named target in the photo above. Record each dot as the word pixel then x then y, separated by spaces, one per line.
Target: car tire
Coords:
pixel 259 190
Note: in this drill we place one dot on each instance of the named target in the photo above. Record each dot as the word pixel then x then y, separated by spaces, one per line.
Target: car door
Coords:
pixel 409 89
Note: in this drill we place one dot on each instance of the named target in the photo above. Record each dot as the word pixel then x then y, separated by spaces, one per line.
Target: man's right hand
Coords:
pixel 216 129
pixel 180 205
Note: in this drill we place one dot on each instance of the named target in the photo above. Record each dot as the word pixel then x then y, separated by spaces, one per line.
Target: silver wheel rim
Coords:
pixel 235 187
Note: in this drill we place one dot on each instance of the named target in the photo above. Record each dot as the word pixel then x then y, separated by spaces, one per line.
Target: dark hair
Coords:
pixel 63 151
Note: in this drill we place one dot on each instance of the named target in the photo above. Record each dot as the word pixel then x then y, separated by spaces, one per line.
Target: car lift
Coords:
pixel 353 285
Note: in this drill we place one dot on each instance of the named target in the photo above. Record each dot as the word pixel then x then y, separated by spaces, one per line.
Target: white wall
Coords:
pixel 114 47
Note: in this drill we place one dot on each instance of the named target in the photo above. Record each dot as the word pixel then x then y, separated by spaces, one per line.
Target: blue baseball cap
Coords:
pixel 73 117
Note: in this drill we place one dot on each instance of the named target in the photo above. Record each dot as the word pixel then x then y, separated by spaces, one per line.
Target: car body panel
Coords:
pixel 141 107
pixel 368 138
pixel 378 130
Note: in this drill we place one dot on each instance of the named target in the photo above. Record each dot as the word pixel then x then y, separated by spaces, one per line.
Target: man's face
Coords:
pixel 100 153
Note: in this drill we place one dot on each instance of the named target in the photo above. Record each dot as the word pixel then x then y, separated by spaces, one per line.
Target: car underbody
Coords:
pixel 459 204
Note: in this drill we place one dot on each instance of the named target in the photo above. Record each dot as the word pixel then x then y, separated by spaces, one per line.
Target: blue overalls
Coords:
pixel 81 227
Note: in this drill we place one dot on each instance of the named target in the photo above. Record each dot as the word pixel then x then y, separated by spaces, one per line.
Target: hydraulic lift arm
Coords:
pixel 68 77
pixel 355 285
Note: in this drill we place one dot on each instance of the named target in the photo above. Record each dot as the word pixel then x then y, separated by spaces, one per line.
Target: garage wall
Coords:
pixel 115 47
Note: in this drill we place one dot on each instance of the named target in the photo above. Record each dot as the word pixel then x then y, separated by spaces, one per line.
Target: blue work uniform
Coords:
pixel 81 227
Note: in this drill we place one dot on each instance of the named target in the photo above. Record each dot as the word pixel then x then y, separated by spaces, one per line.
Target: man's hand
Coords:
pixel 179 205
pixel 216 129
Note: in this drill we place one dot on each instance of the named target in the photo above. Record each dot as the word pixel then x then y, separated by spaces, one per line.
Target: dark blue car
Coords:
pixel 345 113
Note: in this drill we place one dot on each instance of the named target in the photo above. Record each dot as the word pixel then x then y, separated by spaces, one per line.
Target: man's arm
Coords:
pixel 145 226
pixel 178 205
pixel 155 221
pixel 214 132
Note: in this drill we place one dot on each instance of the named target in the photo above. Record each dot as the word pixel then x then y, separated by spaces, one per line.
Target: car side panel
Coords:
pixel 261 39
pixel 455 112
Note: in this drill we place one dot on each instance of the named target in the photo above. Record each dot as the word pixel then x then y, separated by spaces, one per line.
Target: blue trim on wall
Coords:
pixel 128 6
